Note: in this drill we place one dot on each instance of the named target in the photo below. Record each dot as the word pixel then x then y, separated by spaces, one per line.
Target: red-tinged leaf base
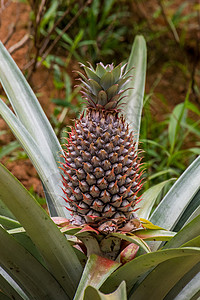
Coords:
pixel 60 221
pixel 96 271
pixel 121 245
pixel 129 253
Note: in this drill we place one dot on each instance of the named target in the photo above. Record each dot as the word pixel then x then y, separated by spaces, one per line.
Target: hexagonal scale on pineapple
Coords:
pixel 87 198
pixel 102 183
pixel 102 154
pixel 84 187
pixel 97 205
pixel 105 196
pixel 98 172
pixel 113 188
pixel 113 157
pixel 87 167
pixel 116 200
pixel 80 174
pixel 96 162
pixel 106 164
pixel 90 179
pixel 94 191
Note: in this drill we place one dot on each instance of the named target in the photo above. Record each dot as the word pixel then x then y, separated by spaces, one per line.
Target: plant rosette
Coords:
pixel 110 240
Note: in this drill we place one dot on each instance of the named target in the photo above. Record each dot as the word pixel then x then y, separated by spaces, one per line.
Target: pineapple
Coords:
pixel 101 170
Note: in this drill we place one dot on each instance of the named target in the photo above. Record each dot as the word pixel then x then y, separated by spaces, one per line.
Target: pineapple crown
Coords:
pixel 103 87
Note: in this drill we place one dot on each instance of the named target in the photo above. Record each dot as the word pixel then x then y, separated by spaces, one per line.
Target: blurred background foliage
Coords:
pixel 60 33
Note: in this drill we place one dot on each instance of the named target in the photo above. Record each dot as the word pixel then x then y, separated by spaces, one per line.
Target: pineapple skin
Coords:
pixel 102 177
pixel 102 170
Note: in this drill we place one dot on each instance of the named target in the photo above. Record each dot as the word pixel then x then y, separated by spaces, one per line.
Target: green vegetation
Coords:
pixel 45 257
pixel 102 32
pixel 32 270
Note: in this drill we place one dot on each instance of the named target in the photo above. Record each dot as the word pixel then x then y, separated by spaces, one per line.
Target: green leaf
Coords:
pixel 120 294
pixel 59 255
pixel 195 150
pixel 91 74
pixel 95 87
pixel 148 199
pixel 96 271
pixel 155 235
pixel 33 277
pixel 172 206
pixel 90 243
pixel 174 124
pixel 4 211
pixel 161 173
pixel 48 172
pixel 133 271
pixel 5 150
pixel 191 106
pixel 138 60
pixel 148 225
pixel 4 297
pixel 23 239
pixel 27 107
pixel 112 91
pixel 195 213
pixel 31 115
pixel 102 98
pixel 117 72
pixel 65 36
pixel 51 12
pixel 187 233
pixel 9 223
pixel 107 80
pixel 10 287
pixel 190 212
pixel 169 272
pixel 100 71
pixel 188 287
pixel 133 239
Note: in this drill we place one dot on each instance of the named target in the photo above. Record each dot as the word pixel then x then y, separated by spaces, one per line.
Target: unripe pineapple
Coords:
pixel 102 177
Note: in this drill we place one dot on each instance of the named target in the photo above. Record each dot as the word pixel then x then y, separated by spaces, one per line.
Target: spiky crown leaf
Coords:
pixel 104 86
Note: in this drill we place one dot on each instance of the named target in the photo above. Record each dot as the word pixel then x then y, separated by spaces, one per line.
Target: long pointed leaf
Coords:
pixel 155 234
pixel 27 107
pixel 92 293
pixel 49 173
pixel 191 290
pixel 31 115
pixel 4 211
pixel 168 212
pixel 4 297
pixel 23 239
pixel 133 239
pixel 132 271
pixel 52 244
pixel 9 223
pixel 189 213
pixel 95 273
pixel 10 287
pixel 36 280
pixel 187 233
pixel 195 213
pixel 137 61
pixel 188 287
pixel 148 199
pixel 169 272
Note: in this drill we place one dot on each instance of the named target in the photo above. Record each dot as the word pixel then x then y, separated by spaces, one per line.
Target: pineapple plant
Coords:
pixel 102 170
pixel 37 261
